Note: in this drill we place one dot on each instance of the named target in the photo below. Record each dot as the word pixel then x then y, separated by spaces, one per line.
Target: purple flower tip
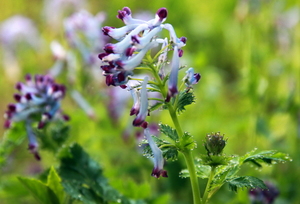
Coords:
pixel 109 48
pixel 12 107
pixel 159 172
pixel 144 125
pixel 107 29
pixel 135 39
pixel 138 121
pixel 162 13
pixel 197 76
pixel 7 124
pixel 19 86
pixel 180 52
pixel 28 77
pixel 33 150
pixel 41 125
pixel 134 111
pixel 123 13
pixel 17 97
pixel 102 55
pixel 28 96
pixel 66 117
pixel 107 68
pixel 129 51
pixel 183 39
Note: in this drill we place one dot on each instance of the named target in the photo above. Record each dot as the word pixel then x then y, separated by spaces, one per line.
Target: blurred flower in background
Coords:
pixel 56 10
pixel 259 196
pixel 285 23
pixel 38 101
pixel 15 32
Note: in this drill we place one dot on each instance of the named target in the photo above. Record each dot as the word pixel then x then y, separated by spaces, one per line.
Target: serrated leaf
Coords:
pixel 54 182
pixel 268 157
pixel 203 171
pixel 39 190
pixel 249 182
pixel 83 178
pixel 169 151
pixel 224 173
pixel 168 131
pixel 187 142
pixel 184 98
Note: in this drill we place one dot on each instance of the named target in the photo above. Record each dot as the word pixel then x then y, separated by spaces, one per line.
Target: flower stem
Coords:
pixel 207 189
pixel 188 156
pixel 189 159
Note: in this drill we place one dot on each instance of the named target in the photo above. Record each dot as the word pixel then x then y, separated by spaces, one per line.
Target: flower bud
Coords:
pixel 215 143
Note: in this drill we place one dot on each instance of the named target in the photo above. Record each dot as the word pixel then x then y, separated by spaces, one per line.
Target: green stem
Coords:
pixel 188 156
pixel 207 189
pixel 189 159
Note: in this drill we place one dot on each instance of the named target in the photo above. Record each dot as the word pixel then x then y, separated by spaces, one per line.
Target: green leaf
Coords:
pixel 168 131
pixel 156 106
pixel 39 190
pixel 83 178
pixel 184 98
pixel 203 171
pixel 268 157
pixel 215 160
pixel 187 142
pixel 155 87
pixel 11 139
pixel 169 151
pixel 53 136
pixel 249 182
pixel 54 182
pixel 224 173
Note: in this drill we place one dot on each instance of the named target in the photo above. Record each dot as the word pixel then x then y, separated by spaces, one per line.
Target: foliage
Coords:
pixel 249 89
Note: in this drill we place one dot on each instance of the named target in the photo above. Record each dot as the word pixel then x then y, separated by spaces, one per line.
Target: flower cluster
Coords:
pixel 135 40
pixel 39 98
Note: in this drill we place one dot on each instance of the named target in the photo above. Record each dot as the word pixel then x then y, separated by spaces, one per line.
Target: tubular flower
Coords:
pixel 39 98
pixel 143 111
pixel 173 75
pixel 135 39
pixel 158 158
pixel 191 78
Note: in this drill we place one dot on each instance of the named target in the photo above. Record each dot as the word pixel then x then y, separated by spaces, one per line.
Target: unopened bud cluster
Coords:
pixel 215 143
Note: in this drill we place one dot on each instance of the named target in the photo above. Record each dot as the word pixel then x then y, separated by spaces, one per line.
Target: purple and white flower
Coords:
pixel 136 38
pixel 143 110
pixel 191 78
pixel 39 97
pixel 158 159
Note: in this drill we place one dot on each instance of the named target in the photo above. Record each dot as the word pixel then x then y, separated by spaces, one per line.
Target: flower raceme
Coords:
pixel 135 39
pixel 40 98
pixel 121 59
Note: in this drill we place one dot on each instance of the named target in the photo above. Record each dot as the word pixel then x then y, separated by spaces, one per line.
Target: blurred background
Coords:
pixel 247 51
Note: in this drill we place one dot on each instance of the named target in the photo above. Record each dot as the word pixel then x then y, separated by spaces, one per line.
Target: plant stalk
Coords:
pixel 189 159
pixel 207 189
